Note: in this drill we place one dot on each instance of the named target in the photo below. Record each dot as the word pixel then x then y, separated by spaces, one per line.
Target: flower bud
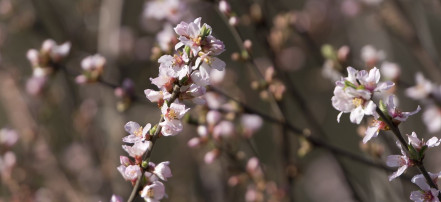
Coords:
pixel 233 21
pixel 194 142
pixel 213 117
pixel 33 57
pixel 202 131
pixel 211 156
pixel 343 53
pixel 125 161
pixel 144 164
pixel 248 44
pixel 224 7
pixel 224 129
pixel 47 46
pixel 162 170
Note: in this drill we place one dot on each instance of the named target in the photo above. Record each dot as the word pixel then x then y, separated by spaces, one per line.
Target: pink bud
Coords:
pixel 224 129
pixel 81 79
pixel 213 117
pixel 32 56
pixel 116 198
pixel 253 164
pixel 233 21
pixel 248 44
pixel 35 85
pixel 47 46
pixel 343 53
pixel 211 156
pixel 390 70
pixel 233 181
pixel 224 7
pixel 202 131
pixel 194 142
pixel 250 123
pixel 124 160
pixel 119 92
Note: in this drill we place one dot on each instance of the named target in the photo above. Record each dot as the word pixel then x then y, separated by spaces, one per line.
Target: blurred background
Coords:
pixel 69 135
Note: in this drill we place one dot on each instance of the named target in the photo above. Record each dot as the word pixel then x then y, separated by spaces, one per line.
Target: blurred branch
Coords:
pixel 304 133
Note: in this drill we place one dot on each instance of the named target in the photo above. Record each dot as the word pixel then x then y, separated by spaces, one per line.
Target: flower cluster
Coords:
pixel 93 67
pixel 132 170
pixel 354 94
pixel 44 63
pixel 182 76
pixel 269 85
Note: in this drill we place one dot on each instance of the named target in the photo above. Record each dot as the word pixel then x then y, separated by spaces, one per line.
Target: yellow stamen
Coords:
pixel 358 102
pixel 138 132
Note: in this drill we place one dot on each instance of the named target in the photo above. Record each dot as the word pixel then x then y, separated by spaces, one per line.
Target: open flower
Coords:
pixel 426 194
pixel 93 67
pixel 419 144
pixel 432 118
pixel 175 112
pixel 138 149
pixel 401 161
pixel 137 133
pixel 396 115
pixel 131 172
pixel 162 170
pixel 422 89
pixel 356 102
pixel 153 192
pixel 353 93
pixel 171 10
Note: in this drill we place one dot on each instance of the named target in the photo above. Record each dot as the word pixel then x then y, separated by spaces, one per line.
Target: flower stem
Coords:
pixel 419 163
pixel 154 137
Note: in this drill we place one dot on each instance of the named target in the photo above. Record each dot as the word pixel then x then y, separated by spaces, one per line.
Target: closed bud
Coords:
pixel 248 44
pixel 224 7
pixel 144 164
pixel 233 21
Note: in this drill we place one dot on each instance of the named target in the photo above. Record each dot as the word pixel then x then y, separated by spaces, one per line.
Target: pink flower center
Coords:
pixel 428 196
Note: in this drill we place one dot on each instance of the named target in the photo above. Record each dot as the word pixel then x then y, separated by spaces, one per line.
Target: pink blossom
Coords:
pixel 401 161
pixel 223 129
pixel 426 194
pixel 422 89
pixel 211 156
pixel 8 137
pixel 153 192
pixel 138 149
pixel 131 172
pixel 251 123
pixel 116 198
pixel 419 144
pixel 137 133
pixel 171 127
pixel 162 170
pixel 432 118
pixel 164 9
pixel 213 117
pixel 175 112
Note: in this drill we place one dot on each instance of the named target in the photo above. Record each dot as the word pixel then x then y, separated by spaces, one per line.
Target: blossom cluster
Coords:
pixel 354 94
pixel 182 76
pixel 218 123
pixel 44 63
